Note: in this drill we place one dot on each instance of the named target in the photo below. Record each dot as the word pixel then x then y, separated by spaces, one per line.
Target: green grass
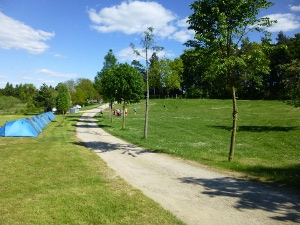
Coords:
pixel 267 142
pixel 53 179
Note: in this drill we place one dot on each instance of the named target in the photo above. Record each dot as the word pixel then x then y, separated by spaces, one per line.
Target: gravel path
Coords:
pixel 194 193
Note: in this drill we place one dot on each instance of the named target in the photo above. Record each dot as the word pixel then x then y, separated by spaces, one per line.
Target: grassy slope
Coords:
pixel 267 144
pixel 52 179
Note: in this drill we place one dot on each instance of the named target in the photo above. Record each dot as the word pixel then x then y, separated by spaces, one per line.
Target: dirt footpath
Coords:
pixel 192 192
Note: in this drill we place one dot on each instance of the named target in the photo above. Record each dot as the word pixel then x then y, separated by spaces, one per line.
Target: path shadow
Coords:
pixel 252 196
pixel 101 147
pixel 260 128
pixel 88 123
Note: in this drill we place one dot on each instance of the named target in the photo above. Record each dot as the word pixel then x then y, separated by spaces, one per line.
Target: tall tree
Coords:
pixel 148 45
pixel 130 86
pixel 220 26
pixel 154 74
pixel 291 73
pixel 110 61
pixel 171 73
pixel 46 98
pixel 63 100
pixel 87 87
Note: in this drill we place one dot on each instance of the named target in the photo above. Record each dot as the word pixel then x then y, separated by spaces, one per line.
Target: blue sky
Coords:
pixel 52 41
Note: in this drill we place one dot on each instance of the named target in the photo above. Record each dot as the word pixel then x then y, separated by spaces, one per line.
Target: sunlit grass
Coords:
pixel 267 142
pixel 53 179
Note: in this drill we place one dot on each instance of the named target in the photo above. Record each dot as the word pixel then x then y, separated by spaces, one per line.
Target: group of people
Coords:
pixel 118 112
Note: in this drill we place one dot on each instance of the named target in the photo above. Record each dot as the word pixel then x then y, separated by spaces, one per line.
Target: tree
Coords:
pixel 291 74
pixel 122 83
pixel 63 100
pixel 103 76
pixel 148 45
pixel 220 26
pixel 155 83
pixel 251 85
pixel 171 72
pixel 130 86
pixel 45 98
pixel 107 84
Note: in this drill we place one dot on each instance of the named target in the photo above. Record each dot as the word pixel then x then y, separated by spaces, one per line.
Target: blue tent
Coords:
pixel 42 118
pixel 37 119
pixel 48 116
pixel 36 125
pixel 51 114
pixel 18 128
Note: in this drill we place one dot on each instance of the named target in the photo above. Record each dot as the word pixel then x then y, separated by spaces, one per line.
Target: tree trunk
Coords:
pixel 234 124
pixel 147 108
pixel 147 97
pixel 123 123
pixel 110 111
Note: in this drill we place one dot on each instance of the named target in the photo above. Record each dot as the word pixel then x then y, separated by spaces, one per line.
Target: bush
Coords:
pixel 8 102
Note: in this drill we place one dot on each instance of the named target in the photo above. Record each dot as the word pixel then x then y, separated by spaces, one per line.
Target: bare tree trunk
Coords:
pixel 110 110
pixel 123 124
pixel 147 107
pixel 234 124
pixel 147 97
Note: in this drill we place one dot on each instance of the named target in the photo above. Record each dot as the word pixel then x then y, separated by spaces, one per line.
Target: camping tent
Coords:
pixel 42 118
pixel 48 116
pixel 18 128
pixel 38 120
pixel 29 127
pixel 36 124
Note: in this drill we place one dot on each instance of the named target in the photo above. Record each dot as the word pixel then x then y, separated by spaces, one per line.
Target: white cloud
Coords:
pixel 59 56
pixel 295 8
pixel 183 23
pixel 51 73
pixel 40 80
pixel 15 34
pixel 183 35
pixel 3 77
pixel 127 54
pixel 285 22
pixel 132 17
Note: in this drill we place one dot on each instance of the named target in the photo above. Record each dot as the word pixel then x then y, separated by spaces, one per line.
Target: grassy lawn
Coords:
pixel 267 144
pixel 52 179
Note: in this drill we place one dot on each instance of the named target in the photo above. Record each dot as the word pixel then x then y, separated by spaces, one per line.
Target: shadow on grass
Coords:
pixel 252 196
pixel 287 176
pixel 259 128
pixel 101 147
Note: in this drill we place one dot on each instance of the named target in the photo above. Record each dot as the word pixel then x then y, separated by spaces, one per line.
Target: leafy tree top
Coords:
pixel 224 23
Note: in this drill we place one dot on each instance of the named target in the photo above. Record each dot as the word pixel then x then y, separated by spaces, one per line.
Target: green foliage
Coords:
pixel 171 72
pixel 110 61
pixel 292 81
pixel 223 30
pixel 63 99
pixel 45 98
pixel 129 84
pixel 8 102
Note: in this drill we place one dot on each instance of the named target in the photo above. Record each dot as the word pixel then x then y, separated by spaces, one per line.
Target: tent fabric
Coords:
pixel 28 127
pixel 37 119
pixel 18 128
pixel 46 118
pixel 43 119
pixel 36 125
